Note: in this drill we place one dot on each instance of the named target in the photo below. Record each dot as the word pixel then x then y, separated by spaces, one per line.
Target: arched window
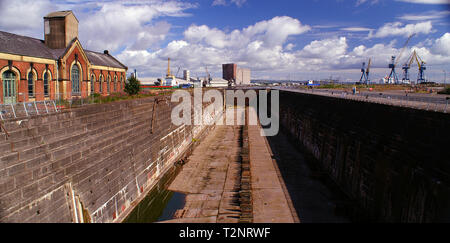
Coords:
pixel 9 87
pixel 75 78
pixel 115 83
pixel 101 84
pixel 46 84
pixel 108 85
pixel 92 83
pixel 30 84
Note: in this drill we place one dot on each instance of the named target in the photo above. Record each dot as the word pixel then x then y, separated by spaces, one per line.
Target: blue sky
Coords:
pixel 276 39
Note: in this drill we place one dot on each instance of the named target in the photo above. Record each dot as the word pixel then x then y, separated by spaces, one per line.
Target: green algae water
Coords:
pixel 160 204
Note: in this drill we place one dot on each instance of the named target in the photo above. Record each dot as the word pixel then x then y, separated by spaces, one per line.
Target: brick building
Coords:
pixel 56 67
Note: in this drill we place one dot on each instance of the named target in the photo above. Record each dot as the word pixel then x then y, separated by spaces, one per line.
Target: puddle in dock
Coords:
pixel 160 203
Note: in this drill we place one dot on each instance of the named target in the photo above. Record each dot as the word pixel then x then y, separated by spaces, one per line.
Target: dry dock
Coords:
pixel 231 178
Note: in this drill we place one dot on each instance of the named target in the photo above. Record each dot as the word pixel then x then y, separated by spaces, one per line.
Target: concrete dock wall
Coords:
pixel 90 164
pixel 392 162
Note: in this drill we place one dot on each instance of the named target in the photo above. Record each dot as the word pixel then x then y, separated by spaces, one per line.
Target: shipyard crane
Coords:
pixel 407 66
pixel 363 78
pixel 422 68
pixel 365 73
pixel 395 60
pixel 420 63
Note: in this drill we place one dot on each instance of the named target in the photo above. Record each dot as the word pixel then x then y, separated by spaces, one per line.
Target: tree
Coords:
pixel 133 86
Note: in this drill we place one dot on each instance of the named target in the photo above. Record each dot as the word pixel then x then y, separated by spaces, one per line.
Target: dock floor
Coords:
pixel 211 179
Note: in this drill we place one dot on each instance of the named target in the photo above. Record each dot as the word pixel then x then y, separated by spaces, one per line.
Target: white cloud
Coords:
pixel 29 21
pixel 259 46
pixel 442 45
pixel 426 1
pixel 238 3
pixel 356 29
pixel 325 49
pixel 360 2
pixel 289 47
pixel 271 33
pixel 117 24
pixel 430 15
pixel 103 24
pixel 398 29
pixel 134 30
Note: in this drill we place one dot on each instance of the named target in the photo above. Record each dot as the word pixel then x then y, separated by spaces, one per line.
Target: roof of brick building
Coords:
pixel 101 59
pixel 32 47
pixel 24 46
pixel 60 14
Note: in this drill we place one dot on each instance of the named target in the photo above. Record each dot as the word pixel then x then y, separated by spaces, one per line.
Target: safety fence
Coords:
pixel 47 106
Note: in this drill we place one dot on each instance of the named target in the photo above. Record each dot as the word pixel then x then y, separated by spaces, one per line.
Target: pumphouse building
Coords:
pixel 57 67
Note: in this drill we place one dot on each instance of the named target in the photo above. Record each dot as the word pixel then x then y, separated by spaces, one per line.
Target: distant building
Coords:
pixel 243 76
pixel 218 83
pixel 236 75
pixel 229 72
pixel 56 67
pixel 187 75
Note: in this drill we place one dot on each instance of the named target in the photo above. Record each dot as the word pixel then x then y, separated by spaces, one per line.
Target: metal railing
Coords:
pixel 421 103
pixel 26 109
pixel 56 103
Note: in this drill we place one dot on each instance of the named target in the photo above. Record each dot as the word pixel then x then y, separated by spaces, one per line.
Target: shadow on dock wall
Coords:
pixel 393 162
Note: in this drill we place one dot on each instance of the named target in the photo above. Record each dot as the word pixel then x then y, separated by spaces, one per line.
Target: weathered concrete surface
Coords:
pixel 270 204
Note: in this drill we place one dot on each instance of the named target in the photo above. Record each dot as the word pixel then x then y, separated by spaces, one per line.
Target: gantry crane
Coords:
pixel 393 75
pixel 406 68
pixel 422 68
pixel 365 73
pixel 420 63
pixel 363 78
